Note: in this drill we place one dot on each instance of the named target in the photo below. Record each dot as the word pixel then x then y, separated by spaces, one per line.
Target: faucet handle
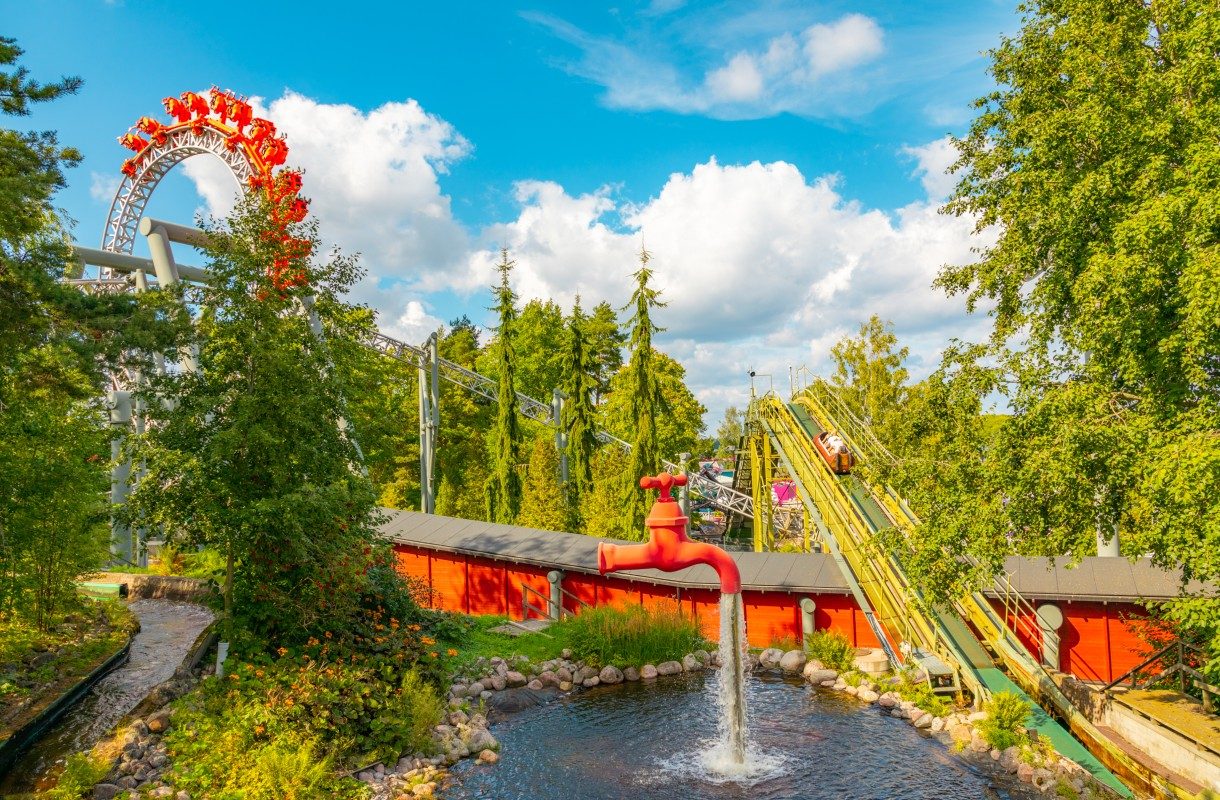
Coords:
pixel 664 482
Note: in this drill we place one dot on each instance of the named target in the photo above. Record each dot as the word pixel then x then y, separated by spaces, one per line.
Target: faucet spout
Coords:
pixel 668 547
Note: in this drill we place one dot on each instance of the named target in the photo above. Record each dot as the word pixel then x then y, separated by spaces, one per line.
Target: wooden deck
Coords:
pixel 1181 714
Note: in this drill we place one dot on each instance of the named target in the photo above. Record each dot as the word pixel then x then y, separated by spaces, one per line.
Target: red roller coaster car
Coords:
pixel 835 452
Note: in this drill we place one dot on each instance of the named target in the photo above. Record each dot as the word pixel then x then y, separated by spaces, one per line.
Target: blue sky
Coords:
pixel 780 159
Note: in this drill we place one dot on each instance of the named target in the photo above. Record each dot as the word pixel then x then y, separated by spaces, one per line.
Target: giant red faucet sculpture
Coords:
pixel 668 547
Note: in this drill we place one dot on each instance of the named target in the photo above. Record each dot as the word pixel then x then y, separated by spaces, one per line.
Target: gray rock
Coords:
pixel 515 679
pixel 583 674
pixel 1043 779
pixel 691 664
pixel 105 791
pixel 564 674
pixel 631 674
pixel 457 690
pixel 589 683
pixel 703 655
pixel 977 716
pixel 498 683
pixel 938 725
pixel 668 668
pixel 867 695
pixel 793 661
pixel 769 658
pixel 610 675
pixel 924 720
pixel 535 684
pixel 548 678
pixel 475 689
pixel 648 672
pixel 816 673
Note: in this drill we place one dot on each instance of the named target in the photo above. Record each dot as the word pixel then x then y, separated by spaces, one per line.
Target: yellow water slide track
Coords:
pixel 970 638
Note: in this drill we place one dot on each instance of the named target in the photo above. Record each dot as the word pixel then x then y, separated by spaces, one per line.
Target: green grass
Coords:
pixel 626 637
pixel 631 636
pixel 80 638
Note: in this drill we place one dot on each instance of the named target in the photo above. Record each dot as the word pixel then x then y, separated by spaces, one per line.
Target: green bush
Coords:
pixel 631 636
pixel 81 772
pixel 1007 713
pixel 921 694
pixel 338 709
pixel 832 649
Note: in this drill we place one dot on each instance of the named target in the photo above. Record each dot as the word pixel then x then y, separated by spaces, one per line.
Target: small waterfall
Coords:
pixel 732 680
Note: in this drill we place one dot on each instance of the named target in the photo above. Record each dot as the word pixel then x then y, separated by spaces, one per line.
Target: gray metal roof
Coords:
pixel 791 572
pixel 1094 578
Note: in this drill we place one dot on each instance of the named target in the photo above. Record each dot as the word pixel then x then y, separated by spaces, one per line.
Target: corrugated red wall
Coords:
pixel 1096 641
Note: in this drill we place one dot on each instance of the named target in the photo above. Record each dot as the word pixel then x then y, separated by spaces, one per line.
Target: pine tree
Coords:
pixel 579 419
pixel 542 505
pixel 646 400
pixel 503 488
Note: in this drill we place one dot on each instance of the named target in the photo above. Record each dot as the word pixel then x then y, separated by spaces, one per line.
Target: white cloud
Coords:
pixel 373 183
pixel 812 71
pixel 761 267
pixel 736 82
pixel 103 186
pixel 932 166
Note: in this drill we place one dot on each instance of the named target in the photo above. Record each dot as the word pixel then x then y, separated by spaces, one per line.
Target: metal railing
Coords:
pixel 545 613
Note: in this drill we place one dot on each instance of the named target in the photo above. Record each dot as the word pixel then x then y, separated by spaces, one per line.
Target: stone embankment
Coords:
pixel 1035 762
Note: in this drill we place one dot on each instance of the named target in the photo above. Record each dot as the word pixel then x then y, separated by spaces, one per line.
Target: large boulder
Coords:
pixel 867 695
pixel 610 675
pixel 631 674
pixel 769 658
pixel 815 673
pixel 793 661
pixel 648 672
pixel 515 679
pixel 691 664
pixel 669 668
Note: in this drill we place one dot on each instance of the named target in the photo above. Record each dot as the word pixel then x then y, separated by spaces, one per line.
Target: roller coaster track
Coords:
pixel 982 645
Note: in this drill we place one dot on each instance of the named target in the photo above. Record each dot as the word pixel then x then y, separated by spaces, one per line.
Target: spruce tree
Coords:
pixel 503 488
pixel 646 400
pixel 542 505
pixel 579 419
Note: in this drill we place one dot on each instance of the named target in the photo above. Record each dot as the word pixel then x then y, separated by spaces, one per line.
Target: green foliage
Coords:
pixel 602 508
pixel 346 706
pixel 503 487
pixel 645 402
pixel 1007 713
pixel 81 772
pixel 1093 160
pixel 921 694
pixel 869 372
pixel 606 341
pixel 728 435
pixel 679 428
pixel 579 419
pixel 543 505
pixel 631 636
pixel 538 350
pixel 832 649
pixel 251 457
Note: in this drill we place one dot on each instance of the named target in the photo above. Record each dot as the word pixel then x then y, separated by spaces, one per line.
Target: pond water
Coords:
pixel 650 741
pixel 167 630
